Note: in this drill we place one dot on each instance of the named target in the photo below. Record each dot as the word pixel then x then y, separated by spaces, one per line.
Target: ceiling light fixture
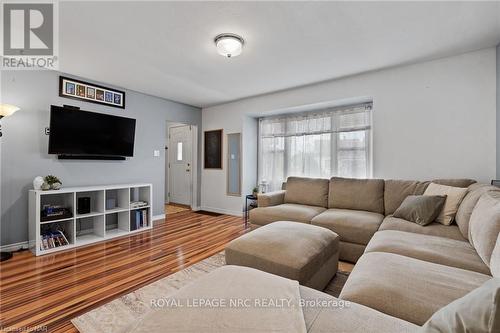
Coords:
pixel 229 45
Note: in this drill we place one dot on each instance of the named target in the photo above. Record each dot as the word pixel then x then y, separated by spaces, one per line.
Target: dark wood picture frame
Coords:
pixel 212 155
pixel 90 92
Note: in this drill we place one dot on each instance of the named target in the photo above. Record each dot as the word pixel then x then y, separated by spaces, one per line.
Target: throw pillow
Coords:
pixel 484 225
pixel 421 209
pixel 478 312
pixel 454 196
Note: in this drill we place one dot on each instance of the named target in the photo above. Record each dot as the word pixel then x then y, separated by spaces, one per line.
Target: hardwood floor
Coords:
pixel 47 291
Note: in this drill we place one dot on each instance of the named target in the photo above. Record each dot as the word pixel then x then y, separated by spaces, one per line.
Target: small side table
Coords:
pixel 253 203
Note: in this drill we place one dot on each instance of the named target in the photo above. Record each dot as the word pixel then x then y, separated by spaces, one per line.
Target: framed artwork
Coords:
pixel 89 92
pixel 213 149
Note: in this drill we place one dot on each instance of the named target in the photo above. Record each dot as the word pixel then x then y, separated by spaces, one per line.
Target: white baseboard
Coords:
pixel 158 217
pixel 14 247
pixel 196 208
pixel 222 211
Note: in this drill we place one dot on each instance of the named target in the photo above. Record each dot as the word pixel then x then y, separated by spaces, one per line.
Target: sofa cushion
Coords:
pixel 351 252
pixel 285 212
pixel 454 196
pixel 354 226
pixel 478 312
pixel 421 209
pixel 455 182
pixel 439 250
pixel 357 194
pixel 484 225
pixel 407 288
pixel 307 191
pixel 346 317
pixel 470 200
pixel 395 191
pixel 293 250
pixel 433 229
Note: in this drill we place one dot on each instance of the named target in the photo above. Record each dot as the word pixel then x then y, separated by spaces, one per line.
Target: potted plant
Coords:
pixel 51 183
pixel 255 191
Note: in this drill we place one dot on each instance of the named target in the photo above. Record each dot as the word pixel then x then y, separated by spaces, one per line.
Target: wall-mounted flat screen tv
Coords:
pixel 89 135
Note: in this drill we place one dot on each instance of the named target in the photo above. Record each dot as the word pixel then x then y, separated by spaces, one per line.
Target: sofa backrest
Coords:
pixel 396 191
pixel 357 194
pixel 468 203
pixel 484 225
pixel 307 191
pixel 455 182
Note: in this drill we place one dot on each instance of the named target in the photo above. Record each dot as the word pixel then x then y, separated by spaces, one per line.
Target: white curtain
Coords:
pixel 332 142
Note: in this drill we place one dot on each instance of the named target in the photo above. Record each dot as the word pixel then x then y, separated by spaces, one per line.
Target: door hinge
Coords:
pixel 169 165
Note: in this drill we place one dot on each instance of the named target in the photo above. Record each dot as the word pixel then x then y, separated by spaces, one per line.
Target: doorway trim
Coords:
pixel 194 165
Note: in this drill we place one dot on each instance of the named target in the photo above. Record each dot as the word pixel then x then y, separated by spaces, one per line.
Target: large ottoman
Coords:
pixel 298 251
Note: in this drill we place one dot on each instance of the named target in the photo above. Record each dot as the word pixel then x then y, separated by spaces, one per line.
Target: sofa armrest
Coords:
pixel 271 198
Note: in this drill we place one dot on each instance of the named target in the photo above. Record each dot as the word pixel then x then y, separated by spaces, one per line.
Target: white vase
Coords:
pixel 37 183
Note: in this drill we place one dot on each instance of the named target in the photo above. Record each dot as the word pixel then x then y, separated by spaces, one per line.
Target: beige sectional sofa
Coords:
pixel 403 269
pixel 353 208
pixel 408 277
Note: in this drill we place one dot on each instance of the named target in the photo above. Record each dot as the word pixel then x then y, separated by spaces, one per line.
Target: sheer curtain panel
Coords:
pixel 331 142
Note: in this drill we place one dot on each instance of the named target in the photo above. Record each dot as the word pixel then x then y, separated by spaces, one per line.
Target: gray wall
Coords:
pixel 498 111
pixel 24 145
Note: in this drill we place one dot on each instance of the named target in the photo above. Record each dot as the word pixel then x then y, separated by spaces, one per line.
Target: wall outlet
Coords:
pixel 156 153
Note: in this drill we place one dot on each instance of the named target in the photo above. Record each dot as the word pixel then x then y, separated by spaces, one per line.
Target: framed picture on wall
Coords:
pixel 213 150
pixel 89 92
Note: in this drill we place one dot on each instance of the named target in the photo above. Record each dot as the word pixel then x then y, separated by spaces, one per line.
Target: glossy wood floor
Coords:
pixel 48 291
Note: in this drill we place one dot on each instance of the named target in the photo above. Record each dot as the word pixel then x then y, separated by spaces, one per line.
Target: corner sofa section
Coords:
pixel 355 209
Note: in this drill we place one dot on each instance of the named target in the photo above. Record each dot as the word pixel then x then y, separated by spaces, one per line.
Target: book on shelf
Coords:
pixel 140 219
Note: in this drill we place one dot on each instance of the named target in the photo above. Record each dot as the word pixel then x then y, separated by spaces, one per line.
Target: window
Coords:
pixel 332 142
pixel 179 151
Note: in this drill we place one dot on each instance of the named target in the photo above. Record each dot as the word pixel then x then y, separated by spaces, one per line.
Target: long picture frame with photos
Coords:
pixel 89 92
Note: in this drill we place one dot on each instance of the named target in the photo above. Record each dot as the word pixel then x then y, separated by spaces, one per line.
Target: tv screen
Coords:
pixel 82 133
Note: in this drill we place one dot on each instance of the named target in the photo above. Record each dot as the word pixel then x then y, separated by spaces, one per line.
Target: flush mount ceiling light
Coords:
pixel 229 45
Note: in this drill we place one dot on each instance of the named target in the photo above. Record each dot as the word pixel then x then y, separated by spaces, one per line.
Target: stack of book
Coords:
pixel 140 219
pixel 52 240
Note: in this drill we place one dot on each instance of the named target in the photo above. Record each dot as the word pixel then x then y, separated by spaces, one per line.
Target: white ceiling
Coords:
pixel 166 48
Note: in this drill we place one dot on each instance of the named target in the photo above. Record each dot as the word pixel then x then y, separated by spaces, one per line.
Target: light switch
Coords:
pixel 233 157
pixel 156 153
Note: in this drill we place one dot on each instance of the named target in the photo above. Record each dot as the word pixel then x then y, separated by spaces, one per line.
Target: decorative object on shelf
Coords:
pixel 38 182
pixel 229 45
pixel 7 110
pixel 53 182
pixel 213 149
pixel 89 92
pixel 110 203
pixel 83 205
pixel 255 191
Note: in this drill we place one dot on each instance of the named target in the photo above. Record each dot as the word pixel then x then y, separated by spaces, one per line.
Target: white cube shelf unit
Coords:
pixel 111 214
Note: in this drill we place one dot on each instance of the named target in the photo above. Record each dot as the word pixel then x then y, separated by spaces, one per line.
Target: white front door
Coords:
pixel 180 165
